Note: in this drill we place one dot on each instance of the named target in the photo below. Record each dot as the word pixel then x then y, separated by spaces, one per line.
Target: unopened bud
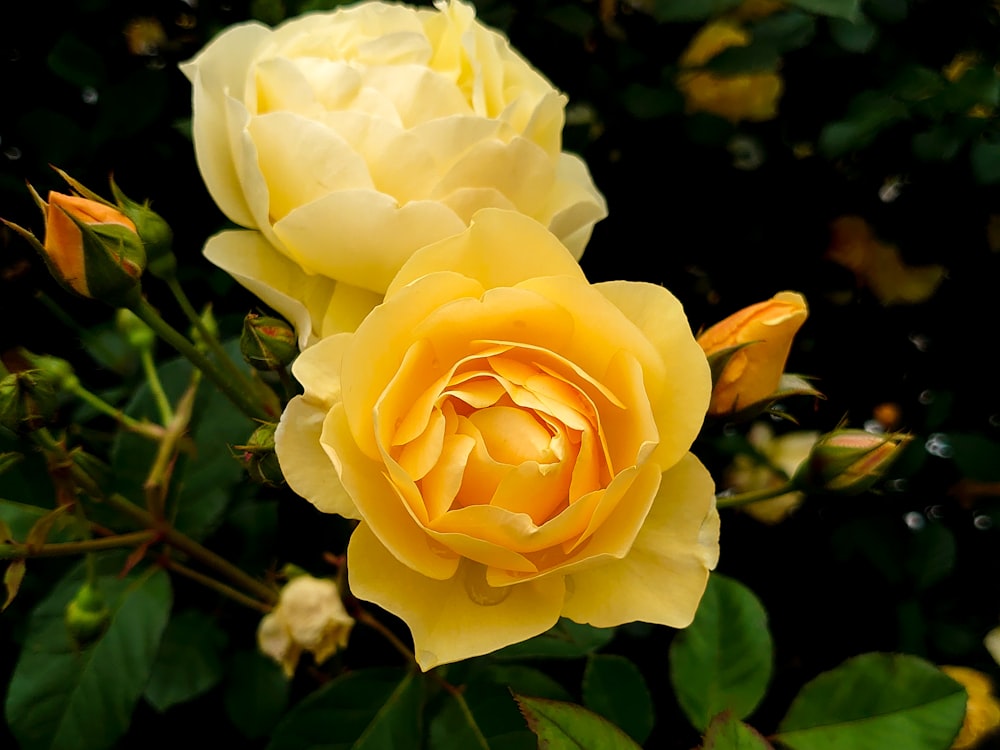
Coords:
pixel 259 457
pixel 27 401
pixel 139 335
pixel 87 617
pixel 849 461
pixel 268 343
pixel 156 235
pixel 56 371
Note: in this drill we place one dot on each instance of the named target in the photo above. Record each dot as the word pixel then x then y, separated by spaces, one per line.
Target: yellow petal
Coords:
pixel 500 249
pixel 661 580
pixel 304 464
pixel 318 370
pixel 451 619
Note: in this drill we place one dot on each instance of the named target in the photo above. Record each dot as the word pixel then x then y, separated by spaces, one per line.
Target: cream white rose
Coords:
pixel 350 139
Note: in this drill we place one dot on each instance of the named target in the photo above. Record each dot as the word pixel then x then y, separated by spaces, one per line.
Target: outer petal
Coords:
pixel 307 469
pixel 315 305
pixel 501 248
pixel 681 405
pixel 455 618
pixel 663 577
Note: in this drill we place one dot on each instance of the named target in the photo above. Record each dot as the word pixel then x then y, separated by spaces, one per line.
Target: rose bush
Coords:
pixel 350 139
pixel 514 442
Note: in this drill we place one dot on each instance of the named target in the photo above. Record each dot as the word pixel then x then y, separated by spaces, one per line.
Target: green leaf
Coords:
pixel 938 143
pixel 189 661
pixel 976 457
pixel 565 640
pixel 876 701
pixel 614 688
pixel 726 732
pixel 870 113
pixel 785 31
pixel 256 694
pixel 985 158
pixel 63 697
pixel 367 710
pixel 649 103
pixel 858 36
pixel 889 11
pixel 849 9
pixel 524 681
pixel 690 10
pixel 932 554
pixel 750 59
pixel 77 62
pixel 567 726
pixel 723 660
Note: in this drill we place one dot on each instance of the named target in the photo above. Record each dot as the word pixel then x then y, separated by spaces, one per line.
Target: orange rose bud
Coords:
pixel 748 351
pixel 849 462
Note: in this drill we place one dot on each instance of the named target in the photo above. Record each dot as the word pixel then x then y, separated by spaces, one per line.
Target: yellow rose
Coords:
pixel 352 138
pixel 746 96
pixel 514 442
pixel 982 709
pixel 763 332
pixel 784 455
pixel 310 617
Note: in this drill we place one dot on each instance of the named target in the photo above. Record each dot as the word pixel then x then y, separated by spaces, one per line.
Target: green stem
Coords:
pixel 365 618
pixel 745 498
pixel 156 386
pixel 153 432
pixel 217 586
pixel 60 549
pixel 235 392
pixel 207 336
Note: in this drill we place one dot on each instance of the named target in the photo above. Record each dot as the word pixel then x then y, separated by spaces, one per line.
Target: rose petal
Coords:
pixel 305 466
pixel 456 618
pixel 663 577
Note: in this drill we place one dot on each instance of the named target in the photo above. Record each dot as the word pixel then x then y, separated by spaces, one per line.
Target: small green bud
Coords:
pixel 268 343
pixel 259 458
pixel 210 324
pixel 27 401
pixel 57 372
pixel 87 617
pixel 139 335
pixel 153 230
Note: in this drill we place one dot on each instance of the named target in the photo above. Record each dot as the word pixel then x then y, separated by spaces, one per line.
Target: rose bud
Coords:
pixel 91 248
pixel 27 400
pixel 848 461
pixel 268 343
pixel 156 235
pixel 87 616
pixel 310 617
pixel 259 457
pixel 748 351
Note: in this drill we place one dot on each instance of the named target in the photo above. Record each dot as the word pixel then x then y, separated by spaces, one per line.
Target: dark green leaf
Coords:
pixel 976 457
pixel 567 726
pixel 726 732
pixel 690 10
pixel 76 62
pixel 785 31
pixel 854 36
pixel 888 11
pixel 366 710
pixel 751 59
pixel 614 688
pixel 189 660
pixel 63 697
pixel 566 640
pixel 869 114
pixel 256 694
pixel 723 660
pixel 986 162
pixel 648 103
pixel 524 681
pixel 873 702
pixel 931 555
pixel 849 9
pixel 939 143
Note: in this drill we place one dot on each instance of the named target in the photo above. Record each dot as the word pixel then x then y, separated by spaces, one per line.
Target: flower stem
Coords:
pixel 217 586
pixel 745 498
pixel 234 391
pixel 156 386
pixel 152 431
pixel 60 549
pixel 365 618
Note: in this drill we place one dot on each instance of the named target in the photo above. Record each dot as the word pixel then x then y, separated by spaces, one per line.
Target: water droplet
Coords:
pixel 89 95
pixel 914 520
pixel 926 397
pixel 938 445
pixel 994 420
pixel 982 522
pixel 896 485
pixel 875 427
pixel 13 153
pixel 935 511
pixel 729 429
pixel 479 591
pixel 890 189
pixel 747 152
pixel 920 341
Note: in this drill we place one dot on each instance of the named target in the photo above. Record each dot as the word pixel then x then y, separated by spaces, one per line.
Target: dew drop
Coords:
pixel 938 445
pixel 875 427
pixel 89 95
pixel 920 341
pixel 926 397
pixel 914 520
pixel 13 153
pixel 935 511
pixel 896 485
pixel 479 591
pixel 982 522
pixel 994 420
pixel 890 189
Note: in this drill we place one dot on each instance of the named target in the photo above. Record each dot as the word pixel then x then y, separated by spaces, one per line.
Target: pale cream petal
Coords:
pixel 467 201
pixel 304 464
pixel 663 577
pixel 574 205
pixel 381 505
pixel 500 249
pixel 348 306
pixel 303 160
pixel 217 73
pixel 451 619
pixel 362 237
pixel 318 369
pixel 680 399
pixel 301 298
pixel 418 94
